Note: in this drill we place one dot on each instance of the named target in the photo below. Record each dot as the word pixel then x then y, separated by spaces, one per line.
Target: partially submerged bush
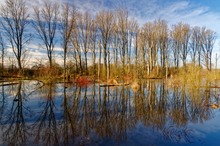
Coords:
pixel 190 75
pixel 82 81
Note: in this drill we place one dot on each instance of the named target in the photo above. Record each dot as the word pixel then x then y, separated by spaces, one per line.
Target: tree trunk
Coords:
pixel 108 72
pixel 64 65
pixel 105 61
pixel 86 62
pixel 99 63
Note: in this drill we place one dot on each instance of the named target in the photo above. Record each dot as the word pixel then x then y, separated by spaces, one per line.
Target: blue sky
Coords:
pixel 189 11
pixel 194 12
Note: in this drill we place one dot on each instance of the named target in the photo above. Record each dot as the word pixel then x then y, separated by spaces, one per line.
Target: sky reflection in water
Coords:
pixel 31 113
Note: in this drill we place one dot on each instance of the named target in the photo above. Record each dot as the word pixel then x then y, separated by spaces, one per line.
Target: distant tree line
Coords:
pixel 108 44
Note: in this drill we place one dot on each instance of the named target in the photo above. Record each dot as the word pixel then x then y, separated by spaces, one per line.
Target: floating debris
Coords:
pixel 8 84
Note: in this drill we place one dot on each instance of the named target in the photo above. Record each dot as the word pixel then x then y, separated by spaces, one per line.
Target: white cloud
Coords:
pixel 144 11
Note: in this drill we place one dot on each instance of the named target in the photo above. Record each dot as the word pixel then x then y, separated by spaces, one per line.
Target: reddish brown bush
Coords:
pixel 82 81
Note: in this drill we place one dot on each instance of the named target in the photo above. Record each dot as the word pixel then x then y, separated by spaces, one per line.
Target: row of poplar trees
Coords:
pixel 111 41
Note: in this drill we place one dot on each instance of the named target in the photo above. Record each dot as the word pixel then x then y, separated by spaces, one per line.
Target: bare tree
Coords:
pixel 136 37
pixel 180 36
pixel 84 27
pixel 115 44
pixel 122 20
pixel 77 50
pixel 208 41
pixel 141 50
pixel 105 21
pixel 150 44
pixel 67 22
pixel 14 21
pixel 195 47
pixel 99 59
pixel 185 42
pixel 46 18
pixel 162 36
pixel 93 44
pixel 133 28
pixel 176 44
pixel 2 45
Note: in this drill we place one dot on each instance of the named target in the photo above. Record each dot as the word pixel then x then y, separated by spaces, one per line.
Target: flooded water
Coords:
pixel 35 114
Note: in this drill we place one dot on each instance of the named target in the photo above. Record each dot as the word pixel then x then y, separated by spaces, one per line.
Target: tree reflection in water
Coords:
pixel 46 128
pixel 2 103
pixel 88 115
pixel 66 124
pixel 15 130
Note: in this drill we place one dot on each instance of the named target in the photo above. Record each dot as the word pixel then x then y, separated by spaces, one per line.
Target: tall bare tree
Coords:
pixel 185 36
pixel 46 18
pixel 195 46
pixel 77 51
pixel 141 50
pixel 162 37
pixel 133 28
pixel 15 22
pixel 77 48
pixel 150 44
pixel 176 44
pixel 208 41
pixel 115 44
pixel 84 27
pixel 99 59
pixel 123 24
pixel 2 45
pixel 105 21
pixel 136 37
pixel 67 22
pixel 93 44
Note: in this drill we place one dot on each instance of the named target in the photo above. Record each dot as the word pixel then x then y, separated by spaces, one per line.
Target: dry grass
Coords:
pixel 193 76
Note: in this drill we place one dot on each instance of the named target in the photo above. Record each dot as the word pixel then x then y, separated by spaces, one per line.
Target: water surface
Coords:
pixel 58 114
